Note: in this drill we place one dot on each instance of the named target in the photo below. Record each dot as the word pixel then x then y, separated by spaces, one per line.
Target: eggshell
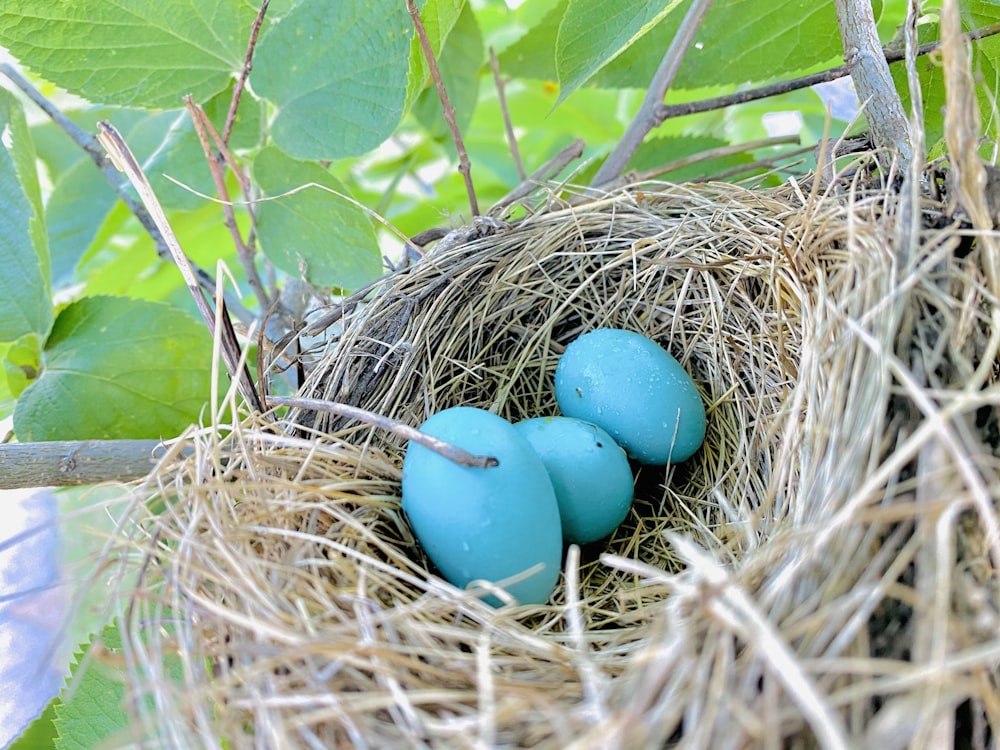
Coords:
pixel 630 386
pixel 490 523
pixel 589 471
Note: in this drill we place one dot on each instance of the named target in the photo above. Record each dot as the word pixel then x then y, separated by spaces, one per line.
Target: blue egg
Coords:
pixel 490 524
pixel 630 386
pixel 589 471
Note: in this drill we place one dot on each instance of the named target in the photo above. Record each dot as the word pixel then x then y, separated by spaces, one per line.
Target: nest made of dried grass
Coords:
pixel 818 574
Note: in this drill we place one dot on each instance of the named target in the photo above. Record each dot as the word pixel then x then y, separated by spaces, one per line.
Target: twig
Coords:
pixel 92 148
pixel 241 82
pixel 668 111
pixel 464 166
pixel 452 452
pixel 547 171
pixel 515 152
pixel 125 160
pixel 863 54
pixel 62 463
pixel 244 253
pixel 645 119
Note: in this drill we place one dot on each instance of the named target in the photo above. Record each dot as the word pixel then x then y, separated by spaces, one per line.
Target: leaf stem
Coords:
pixel 452 452
pixel 646 118
pixel 464 166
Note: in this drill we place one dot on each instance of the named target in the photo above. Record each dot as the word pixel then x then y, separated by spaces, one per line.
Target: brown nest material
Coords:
pixel 820 573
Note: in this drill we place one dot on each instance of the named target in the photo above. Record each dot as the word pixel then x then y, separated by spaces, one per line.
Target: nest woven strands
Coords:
pixel 819 571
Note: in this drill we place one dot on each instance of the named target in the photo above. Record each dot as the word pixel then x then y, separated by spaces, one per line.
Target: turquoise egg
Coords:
pixel 489 524
pixel 589 471
pixel 630 386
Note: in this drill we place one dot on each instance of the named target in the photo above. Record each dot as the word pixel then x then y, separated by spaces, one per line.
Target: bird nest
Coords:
pixel 823 571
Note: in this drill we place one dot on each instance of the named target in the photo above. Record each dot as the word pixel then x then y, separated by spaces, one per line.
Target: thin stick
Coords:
pixel 668 111
pixel 125 160
pixel 645 119
pixel 464 166
pixel 241 82
pixel 452 452
pixel 547 171
pixel 515 151
pixel 92 148
pixel 244 253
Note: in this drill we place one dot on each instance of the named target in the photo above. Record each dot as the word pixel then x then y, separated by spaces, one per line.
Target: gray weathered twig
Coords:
pixel 646 118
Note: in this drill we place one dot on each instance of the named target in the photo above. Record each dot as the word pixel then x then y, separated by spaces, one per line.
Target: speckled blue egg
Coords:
pixel 489 524
pixel 630 386
pixel 589 471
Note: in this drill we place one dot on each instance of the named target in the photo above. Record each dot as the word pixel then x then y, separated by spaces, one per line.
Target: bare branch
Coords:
pixel 241 82
pixel 243 252
pixel 451 452
pixel 75 462
pixel 863 54
pixel 645 119
pixel 464 166
pixel 498 81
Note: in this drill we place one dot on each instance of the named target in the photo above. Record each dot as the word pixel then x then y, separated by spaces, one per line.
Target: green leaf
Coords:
pixel 40 733
pixel 22 363
pixel 130 52
pixel 90 709
pixel 986 64
pixel 117 368
pixel 460 63
pixel 25 304
pixel 337 73
pixel 595 32
pixel 313 232
pixel 773 39
pixel 657 152
pixel 533 55
pixel 439 18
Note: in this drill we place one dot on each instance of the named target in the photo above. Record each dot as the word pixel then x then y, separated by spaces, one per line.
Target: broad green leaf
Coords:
pixel 337 73
pixel 533 55
pixel 25 305
pixel 313 233
pixel 986 64
pixel 40 733
pixel 773 39
pixel 439 18
pixel 115 367
pixel 130 52
pixel 460 63
pixel 595 32
pixel 90 710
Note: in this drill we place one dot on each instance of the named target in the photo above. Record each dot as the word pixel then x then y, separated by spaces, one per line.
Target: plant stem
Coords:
pixel 863 54
pixel 75 462
pixel 646 118
pixel 498 81
pixel 241 82
pixel 451 452
pixel 464 166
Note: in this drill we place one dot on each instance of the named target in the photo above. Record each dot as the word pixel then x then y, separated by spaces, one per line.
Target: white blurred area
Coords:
pixel 33 608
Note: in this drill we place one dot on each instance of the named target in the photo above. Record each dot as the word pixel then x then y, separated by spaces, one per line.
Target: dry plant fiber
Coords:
pixel 822 573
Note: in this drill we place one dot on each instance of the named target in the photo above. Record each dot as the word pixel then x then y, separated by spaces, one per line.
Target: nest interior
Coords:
pixel 822 571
